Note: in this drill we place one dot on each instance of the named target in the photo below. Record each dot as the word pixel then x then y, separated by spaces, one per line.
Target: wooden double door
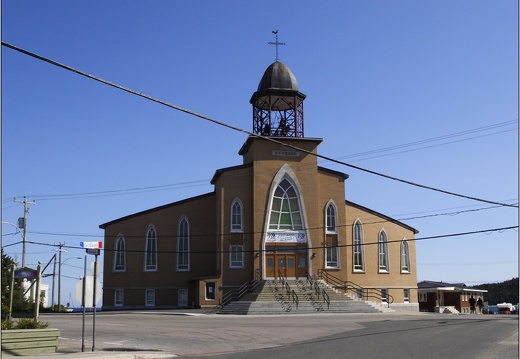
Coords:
pixel 291 262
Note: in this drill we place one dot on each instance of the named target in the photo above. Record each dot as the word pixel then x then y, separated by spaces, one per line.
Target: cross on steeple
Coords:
pixel 276 43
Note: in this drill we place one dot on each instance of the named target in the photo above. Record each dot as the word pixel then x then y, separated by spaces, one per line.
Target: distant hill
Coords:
pixel 501 292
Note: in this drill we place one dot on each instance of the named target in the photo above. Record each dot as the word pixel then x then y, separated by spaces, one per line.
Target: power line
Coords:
pixel 189 112
pixel 120 191
pixel 262 232
pixel 434 139
pixel 451 235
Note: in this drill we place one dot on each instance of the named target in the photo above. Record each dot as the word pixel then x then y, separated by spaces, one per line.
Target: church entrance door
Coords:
pixel 289 262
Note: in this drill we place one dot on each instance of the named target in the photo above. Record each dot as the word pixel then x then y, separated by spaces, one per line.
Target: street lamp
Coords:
pixel 59 279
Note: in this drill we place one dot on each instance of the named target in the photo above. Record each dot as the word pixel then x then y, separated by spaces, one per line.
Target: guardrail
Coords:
pixel 357 290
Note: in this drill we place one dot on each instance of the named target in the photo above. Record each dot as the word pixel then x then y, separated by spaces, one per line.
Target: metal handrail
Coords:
pixel 234 294
pixel 295 298
pixel 281 277
pixel 326 298
pixel 353 287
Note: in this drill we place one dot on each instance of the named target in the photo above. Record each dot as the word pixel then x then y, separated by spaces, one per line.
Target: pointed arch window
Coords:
pixel 236 216
pixel 285 209
pixel 120 254
pixel 405 257
pixel 331 236
pixel 183 245
pixel 359 262
pixel 383 252
pixel 150 251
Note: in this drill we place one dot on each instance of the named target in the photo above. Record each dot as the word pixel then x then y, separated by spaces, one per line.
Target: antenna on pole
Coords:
pixel 276 43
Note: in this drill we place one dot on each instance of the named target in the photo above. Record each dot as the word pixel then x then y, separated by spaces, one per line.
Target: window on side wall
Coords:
pixel 383 252
pixel 150 297
pixel 236 216
pixel 331 237
pixel 236 256
pixel 118 298
pixel 183 245
pixel 406 295
pixel 120 255
pixel 423 297
pixel 358 261
pixel 150 253
pixel 182 300
pixel 405 257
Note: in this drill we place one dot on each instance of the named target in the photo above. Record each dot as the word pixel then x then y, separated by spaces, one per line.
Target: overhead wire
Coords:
pixel 235 128
pixel 365 222
pixel 459 234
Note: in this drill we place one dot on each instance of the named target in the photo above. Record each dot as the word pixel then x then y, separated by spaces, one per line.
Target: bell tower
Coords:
pixel 277 103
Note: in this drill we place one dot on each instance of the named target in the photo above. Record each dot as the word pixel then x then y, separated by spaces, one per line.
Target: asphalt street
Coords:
pixel 194 334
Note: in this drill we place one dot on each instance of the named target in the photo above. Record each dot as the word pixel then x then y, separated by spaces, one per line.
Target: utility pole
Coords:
pixel 22 223
pixel 53 281
pixel 59 276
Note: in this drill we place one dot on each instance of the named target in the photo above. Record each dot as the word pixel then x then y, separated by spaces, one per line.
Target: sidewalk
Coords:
pixel 99 355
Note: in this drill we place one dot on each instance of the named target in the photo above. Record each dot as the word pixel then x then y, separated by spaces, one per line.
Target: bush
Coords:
pixel 24 323
pixel 7 324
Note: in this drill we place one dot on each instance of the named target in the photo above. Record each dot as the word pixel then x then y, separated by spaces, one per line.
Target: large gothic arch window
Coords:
pixel 359 256
pixel 120 254
pixel 183 245
pixel 383 252
pixel 150 251
pixel 331 236
pixel 405 257
pixel 285 208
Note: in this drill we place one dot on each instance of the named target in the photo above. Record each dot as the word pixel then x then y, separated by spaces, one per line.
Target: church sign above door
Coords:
pixel 286 237
pixel 286 153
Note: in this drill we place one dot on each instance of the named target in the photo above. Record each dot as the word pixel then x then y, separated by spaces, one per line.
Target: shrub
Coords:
pixel 7 324
pixel 27 323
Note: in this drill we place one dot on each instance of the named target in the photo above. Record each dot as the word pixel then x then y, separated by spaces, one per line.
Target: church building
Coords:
pixel 277 214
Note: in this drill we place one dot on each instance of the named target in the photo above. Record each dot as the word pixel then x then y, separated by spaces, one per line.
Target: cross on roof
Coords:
pixel 276 43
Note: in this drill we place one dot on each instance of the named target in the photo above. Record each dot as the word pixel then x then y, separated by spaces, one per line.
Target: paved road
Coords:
pixel 300 336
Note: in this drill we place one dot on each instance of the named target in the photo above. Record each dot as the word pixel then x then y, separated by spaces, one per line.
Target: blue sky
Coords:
pixel 424 91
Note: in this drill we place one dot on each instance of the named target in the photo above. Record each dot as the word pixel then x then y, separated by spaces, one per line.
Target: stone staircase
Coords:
pixel 271 297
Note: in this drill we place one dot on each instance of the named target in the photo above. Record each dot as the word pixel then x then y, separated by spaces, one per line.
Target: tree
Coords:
pixel 7 268
pixel 506 291
pixel 6 278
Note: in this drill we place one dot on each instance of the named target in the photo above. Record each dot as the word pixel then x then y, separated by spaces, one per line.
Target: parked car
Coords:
pixel 492 309
pixel 505 308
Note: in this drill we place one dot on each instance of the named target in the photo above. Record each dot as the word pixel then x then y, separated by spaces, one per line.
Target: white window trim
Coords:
pixel 334 231
pixel 406 295
pixel 147 302
pixel 241 229
pixel 151 268
pixel 119 238
pixel 362 251
pixel 385 246
pixel 407 258
pixel 240 252
pixel 188 251
pixel 116 303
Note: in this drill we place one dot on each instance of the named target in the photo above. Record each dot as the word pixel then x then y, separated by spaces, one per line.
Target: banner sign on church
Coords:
pixel 286 237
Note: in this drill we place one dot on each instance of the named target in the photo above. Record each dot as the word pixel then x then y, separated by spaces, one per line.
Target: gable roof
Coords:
pixel 389 219
pixel 104 225
pixel 428 285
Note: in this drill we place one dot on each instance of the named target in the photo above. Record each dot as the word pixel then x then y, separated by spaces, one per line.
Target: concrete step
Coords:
pixel 272 298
